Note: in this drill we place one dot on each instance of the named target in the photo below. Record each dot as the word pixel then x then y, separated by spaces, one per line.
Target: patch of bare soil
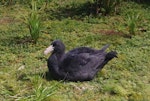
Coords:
pixel 112 32
pixel 6 20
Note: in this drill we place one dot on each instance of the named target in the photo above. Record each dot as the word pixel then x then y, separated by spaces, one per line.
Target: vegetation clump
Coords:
pixel 107 6
pixel 34 22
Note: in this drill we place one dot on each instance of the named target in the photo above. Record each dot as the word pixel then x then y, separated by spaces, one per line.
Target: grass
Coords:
pixel 34 23
pixel 23 65
pixel 106 7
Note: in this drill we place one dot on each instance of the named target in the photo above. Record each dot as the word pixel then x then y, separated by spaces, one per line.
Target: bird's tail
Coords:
pixel 108 57
pixel 105 47
pixel 111 55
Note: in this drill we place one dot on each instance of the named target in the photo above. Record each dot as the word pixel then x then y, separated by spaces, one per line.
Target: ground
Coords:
pixel 23 68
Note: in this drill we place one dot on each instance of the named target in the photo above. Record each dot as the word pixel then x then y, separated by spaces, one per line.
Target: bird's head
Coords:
pixel 56 46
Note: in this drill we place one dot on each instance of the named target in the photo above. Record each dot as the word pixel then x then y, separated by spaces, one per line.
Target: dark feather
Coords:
pixel 79 64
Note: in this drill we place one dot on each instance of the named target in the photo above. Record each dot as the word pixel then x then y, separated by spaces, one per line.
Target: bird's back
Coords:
pixel 82 66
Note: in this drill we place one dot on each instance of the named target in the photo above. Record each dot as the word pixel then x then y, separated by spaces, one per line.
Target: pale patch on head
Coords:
pixel 49 49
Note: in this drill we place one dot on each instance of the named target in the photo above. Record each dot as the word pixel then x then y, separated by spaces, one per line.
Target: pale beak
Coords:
pixel 49 49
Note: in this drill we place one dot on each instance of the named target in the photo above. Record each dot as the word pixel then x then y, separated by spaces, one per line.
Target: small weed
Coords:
pixel 40 93
pixel 132 22
pixel 34 22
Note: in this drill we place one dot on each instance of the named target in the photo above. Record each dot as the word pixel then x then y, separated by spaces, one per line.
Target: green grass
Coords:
pixel 34 23
pixel 23 65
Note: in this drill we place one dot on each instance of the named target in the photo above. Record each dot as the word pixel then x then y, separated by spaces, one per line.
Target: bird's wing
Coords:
pixel 83 61
pixel 82 50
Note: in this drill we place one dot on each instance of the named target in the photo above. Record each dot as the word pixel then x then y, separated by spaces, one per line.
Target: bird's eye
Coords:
pixel 54 44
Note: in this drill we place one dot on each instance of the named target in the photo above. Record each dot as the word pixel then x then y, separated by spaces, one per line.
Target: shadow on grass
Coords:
pixel 17 44
pixel 145 3
pixel 73 11
pixel 141 1
pixel 80 11
pixel 11 41
pixel 24 40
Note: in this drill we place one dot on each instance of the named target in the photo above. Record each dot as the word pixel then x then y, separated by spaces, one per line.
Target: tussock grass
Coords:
pixel 23 66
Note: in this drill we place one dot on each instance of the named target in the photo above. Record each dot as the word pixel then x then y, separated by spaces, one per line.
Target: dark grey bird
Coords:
pixel 79 64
